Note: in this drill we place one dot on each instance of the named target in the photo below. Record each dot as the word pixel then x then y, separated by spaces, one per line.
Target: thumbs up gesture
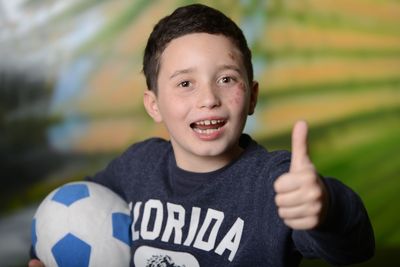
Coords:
pixel 301 196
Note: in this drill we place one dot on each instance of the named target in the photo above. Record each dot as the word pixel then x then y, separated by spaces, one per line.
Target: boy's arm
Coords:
pixel 328 218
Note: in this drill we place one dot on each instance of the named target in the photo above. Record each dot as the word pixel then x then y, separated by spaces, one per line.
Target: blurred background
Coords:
pixel 71 96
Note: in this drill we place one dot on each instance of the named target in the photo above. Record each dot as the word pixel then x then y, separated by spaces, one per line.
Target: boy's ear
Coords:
pixel 151 105
pixel 253 97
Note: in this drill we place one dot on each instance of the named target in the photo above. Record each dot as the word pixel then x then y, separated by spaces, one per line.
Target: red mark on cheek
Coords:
pixel 236 99
pixel 239 94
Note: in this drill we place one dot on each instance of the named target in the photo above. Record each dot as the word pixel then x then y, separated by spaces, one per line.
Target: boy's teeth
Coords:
pixel 206 131
pixel 207 126
pixel 209 122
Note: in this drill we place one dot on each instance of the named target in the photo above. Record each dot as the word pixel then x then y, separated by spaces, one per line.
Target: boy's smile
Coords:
pixel 208 129
pixel 203 99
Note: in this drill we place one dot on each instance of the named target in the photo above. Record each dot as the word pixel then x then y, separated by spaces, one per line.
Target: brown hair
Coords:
pixel 185 20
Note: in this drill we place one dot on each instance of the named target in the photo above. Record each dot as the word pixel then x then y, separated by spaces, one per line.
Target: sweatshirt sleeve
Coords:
pixel 346 237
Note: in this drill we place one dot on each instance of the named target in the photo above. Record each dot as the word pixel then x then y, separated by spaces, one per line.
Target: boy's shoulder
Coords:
pixel 145 151
pixel 154 142
pixel 259 155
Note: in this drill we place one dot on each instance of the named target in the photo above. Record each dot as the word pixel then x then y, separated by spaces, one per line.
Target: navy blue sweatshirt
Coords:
pixel 227 217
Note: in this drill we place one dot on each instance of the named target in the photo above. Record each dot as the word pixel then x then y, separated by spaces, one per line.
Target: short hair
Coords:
pixel 195 18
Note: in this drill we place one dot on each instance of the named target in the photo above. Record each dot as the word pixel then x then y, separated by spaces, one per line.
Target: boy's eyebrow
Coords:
pixel 220 68
pixel 229 67
pixel 179 72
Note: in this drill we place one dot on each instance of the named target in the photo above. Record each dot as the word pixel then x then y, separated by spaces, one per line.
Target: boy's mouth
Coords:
pixel 207 126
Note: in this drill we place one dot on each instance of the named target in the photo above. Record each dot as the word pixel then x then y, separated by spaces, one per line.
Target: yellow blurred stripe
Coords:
pixel 278 116
pixel 289 73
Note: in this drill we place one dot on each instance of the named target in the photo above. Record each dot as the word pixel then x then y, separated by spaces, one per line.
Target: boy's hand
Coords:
pixel 301 196
pixel 35 263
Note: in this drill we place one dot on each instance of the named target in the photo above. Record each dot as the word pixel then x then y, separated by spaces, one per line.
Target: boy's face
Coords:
pixel 203 99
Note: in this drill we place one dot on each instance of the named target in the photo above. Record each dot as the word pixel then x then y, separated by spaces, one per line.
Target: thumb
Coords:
pixel 299 146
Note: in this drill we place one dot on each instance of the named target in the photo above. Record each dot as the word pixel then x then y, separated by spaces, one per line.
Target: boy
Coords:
pixel 211 196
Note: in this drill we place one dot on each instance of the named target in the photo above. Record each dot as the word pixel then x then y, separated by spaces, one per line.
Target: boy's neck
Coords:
pixel 208 163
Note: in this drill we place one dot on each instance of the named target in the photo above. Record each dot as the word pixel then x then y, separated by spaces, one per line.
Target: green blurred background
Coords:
pixel 71 96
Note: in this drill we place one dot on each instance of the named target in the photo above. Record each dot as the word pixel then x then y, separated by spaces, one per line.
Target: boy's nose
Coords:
pixel 208 98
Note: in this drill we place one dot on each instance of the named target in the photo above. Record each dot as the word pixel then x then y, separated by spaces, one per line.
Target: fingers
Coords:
pixel 299 212
pixel 292 181
pixel 303 193
pixel 35 263
pixel 304 223
pixel 307 189
pixel 302 205
pixel 286 183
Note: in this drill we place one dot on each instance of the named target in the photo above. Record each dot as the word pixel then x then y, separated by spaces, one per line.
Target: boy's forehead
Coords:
pixel 189 45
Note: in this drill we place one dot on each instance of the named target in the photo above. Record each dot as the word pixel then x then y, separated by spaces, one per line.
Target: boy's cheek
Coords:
pixel 236 100
pixel 238 97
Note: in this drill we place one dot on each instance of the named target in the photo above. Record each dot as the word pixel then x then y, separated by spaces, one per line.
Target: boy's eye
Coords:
pixel 184 84
pixel 226 79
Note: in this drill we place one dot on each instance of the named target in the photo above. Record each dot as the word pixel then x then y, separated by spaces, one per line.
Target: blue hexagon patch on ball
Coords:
pixel 121 224
pixel 71 251
pixel 70 193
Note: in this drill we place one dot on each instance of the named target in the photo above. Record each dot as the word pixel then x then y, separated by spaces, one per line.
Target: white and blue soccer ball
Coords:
pixel 82 224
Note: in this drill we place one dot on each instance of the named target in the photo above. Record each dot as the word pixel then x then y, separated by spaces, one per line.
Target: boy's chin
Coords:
pixel 217 151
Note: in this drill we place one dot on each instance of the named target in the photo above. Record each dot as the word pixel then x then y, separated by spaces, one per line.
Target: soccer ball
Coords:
pixel 82 224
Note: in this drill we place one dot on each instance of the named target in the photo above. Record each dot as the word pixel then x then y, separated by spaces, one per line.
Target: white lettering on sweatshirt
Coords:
pixel 200 234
